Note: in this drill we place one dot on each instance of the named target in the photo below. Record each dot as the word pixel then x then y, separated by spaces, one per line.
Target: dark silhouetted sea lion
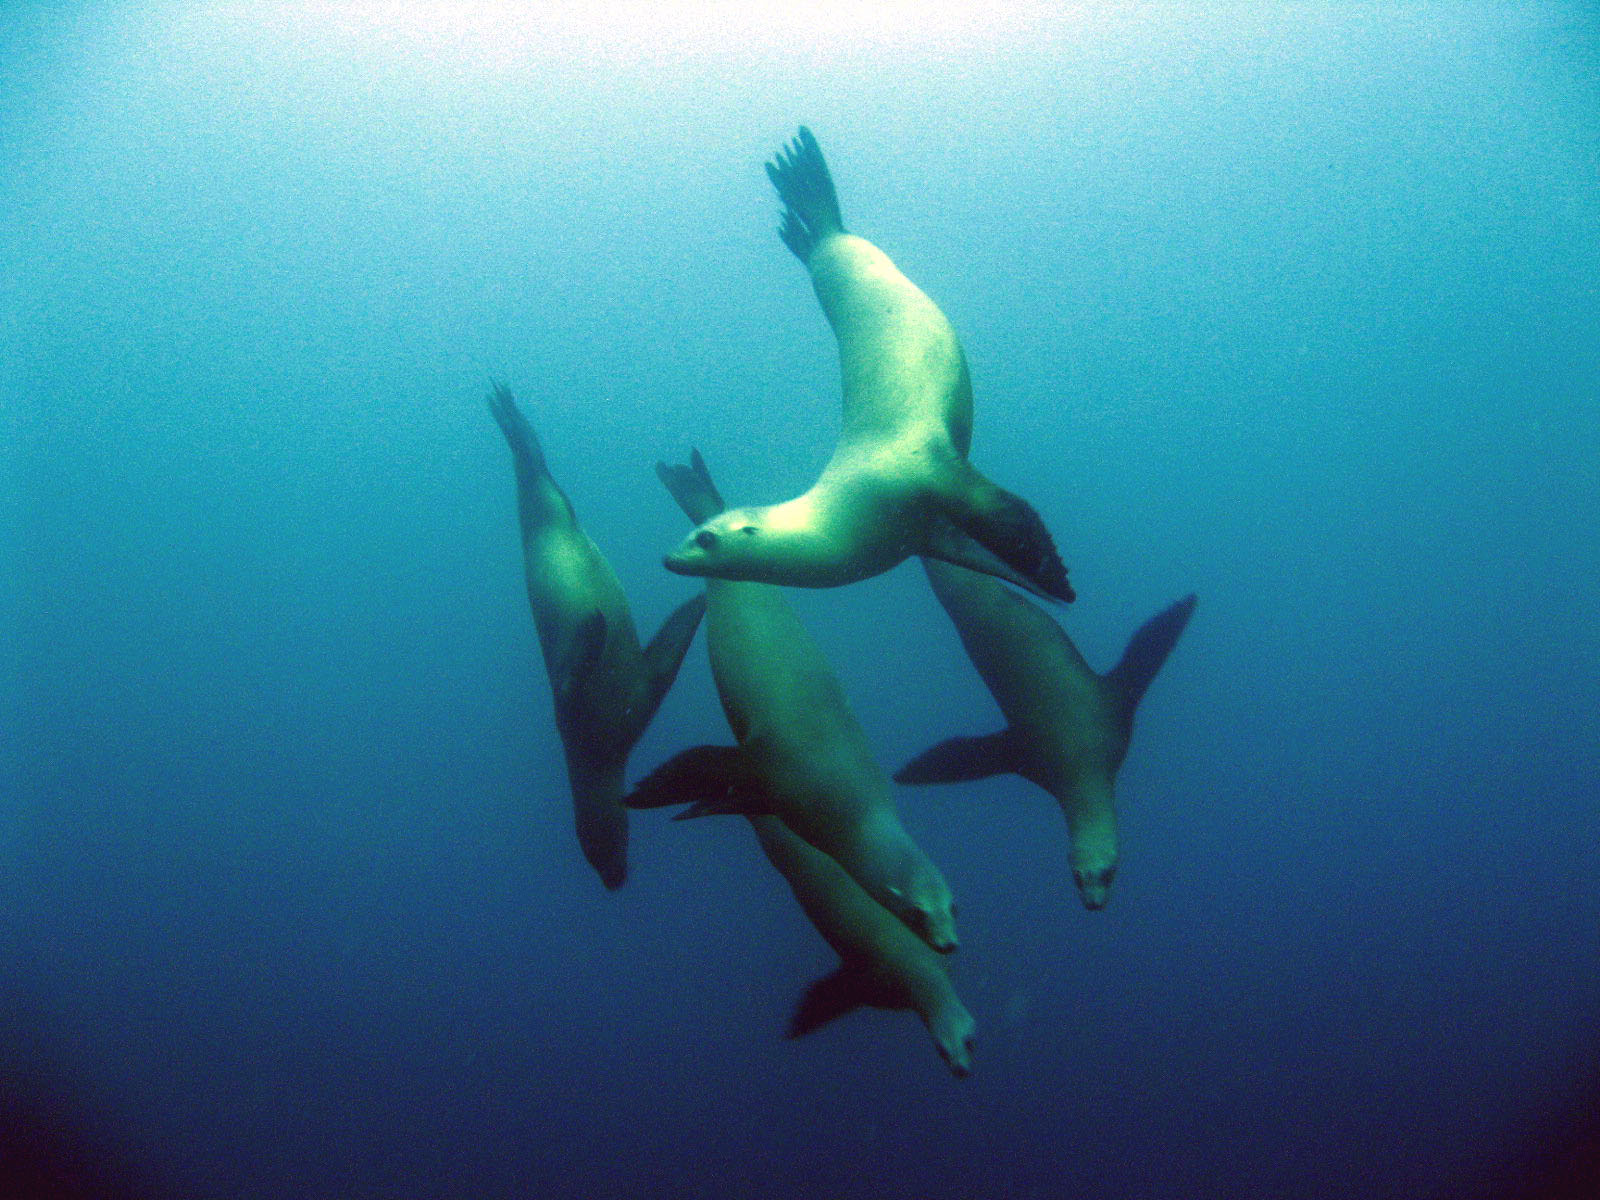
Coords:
pixel 801 756
pixel 605 687
pixel 1067 727
pixel 899 482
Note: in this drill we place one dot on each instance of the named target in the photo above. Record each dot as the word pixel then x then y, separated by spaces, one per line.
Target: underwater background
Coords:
pixel 1294 306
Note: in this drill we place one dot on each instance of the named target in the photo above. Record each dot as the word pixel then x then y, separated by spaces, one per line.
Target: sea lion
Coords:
pixel 800 754
pixel 882 964
pixel 606 689
pixel 1068 728
pixel 899 482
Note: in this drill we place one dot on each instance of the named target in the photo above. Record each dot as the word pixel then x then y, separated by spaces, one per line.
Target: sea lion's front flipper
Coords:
pixel 943 541
pixel 1147 650
pixel 712 780
pixel 1008 527
pixel 844 990
pixel 664 655
pixel 963 759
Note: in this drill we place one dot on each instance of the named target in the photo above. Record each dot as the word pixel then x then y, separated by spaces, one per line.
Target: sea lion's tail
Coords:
pixel 692 488
pixel 811 206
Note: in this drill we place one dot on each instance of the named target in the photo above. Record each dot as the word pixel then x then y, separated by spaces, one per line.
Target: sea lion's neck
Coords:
pixel 806 534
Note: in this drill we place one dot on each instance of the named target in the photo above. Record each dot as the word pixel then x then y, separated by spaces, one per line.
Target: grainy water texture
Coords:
pixel 1290 305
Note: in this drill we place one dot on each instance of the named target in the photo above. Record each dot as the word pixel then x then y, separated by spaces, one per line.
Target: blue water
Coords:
pixel 1291 306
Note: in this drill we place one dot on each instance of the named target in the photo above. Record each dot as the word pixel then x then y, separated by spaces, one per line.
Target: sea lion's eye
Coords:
pixel 747 529
pixel 705 539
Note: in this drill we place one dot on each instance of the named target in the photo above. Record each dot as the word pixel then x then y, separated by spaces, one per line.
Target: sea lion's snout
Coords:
pixel 937 927
pixel 695 554
pixel 960 1059
pixel 682 560
pixel 954 1033
pixel 1094 886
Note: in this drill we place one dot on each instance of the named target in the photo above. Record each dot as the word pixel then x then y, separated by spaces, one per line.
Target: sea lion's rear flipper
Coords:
pixel 692 488
pixel 664 655
pixel 963 759
pixel 539 497
pixel 1008 527
pixel 712 780
pixel 811 206
pixel 519 435
pixel 1147 650
pixel 842 991
pixel 945 542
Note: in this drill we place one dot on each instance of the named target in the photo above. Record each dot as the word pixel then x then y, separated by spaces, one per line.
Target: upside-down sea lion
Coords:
pixel 801 756
pixel 606 689
pixel 899 482
pixel 1067 727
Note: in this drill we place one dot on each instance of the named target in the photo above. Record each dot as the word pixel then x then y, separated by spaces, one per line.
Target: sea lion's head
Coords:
pixel 924 903
pixel 934 922
pixel 1094 852
pixel 1094 885
pixel 729 545
pixel 953 1031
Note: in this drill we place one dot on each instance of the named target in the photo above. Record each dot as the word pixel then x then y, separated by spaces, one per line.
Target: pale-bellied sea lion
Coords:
pixel 899 482
pixel 801 756
pixel 1067 727
pixel 882 963
pixel 606 689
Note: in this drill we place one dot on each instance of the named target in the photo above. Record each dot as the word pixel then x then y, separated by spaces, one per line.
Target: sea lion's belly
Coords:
pixel 817 769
